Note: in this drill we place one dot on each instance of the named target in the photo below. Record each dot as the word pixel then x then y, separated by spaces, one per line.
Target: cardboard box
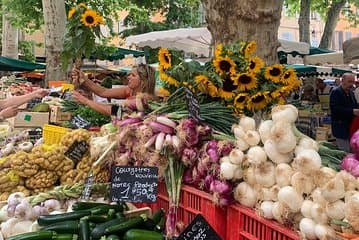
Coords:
pixel 29 119
pixel 58 116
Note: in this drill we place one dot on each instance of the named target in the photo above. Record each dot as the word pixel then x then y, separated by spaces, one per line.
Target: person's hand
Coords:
pixel 356 111
pixel 78 97
pixel 78 75
pixel 40 93
pixel 8 112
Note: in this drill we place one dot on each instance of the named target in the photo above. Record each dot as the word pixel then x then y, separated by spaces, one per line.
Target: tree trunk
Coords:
pixel 331 23
pixel 10 41
pixel 55 22
pixel 246 20
pixel 304 21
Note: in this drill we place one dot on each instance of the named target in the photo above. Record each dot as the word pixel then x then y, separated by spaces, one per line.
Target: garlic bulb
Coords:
pixel 287 113
pixel 265 129
pixel 283 174
pixel 283 137
pixel 270 148
pixel 256 155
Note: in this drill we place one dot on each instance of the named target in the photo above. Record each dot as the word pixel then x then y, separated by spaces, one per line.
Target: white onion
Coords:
pixel 236 156
pixel 265 174
pixel 273 154
pixel 256 155
pixel 288 113
pixel 306 208
pixel 227 170
pixel 241 144
pixel 318 197
pixel 252 138
pixel 224 159
pixel 333 190
pixel 302 183
pixel 248 176
pixel 307 227
pixel 323 176
pixel 318 214
pixel 283 137
pixel 283 174
pixel 266 209
pixel 308 143
pixel 247 123
pixel 264 130
pixel 349 180
pixel 290 197
pixel 323 231
pixel 238 132
pixel 238 173
pixel 245 194
pixel 352 211
pixel 307 161
pixel 335 210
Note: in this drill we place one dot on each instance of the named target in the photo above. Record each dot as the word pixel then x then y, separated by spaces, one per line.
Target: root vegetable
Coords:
pixel 283 174
pixel 265 174
pixel 266 209
pixel 335 210
pixel 252 138
pixel 307 161
pixel 306 208
pixel 273 154
pixel 256 155
pixel 290 197
pixel 283 137
pixel 307 227
pixel 265 129
pixel 247 123
pixel 245 194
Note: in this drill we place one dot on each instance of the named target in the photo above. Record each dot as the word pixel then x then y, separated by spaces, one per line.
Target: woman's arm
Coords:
pixel 101 108
pixel 19 100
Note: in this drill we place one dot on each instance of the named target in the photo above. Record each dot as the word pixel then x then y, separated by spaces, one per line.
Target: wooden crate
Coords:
pixel 29 119
pixel 57 115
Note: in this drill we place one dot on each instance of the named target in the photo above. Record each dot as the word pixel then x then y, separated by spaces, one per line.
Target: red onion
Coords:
pixel 208 181
pixel 354 142
pixel 187 176
pixel 355 171
pixel 189 156
pixel 220 187
pixel 159 127
pixel 129 121
pixel 349 162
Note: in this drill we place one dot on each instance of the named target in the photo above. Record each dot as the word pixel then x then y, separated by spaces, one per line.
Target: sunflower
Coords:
pixel 224 65
pixel 163 92
pixel 212 89
pixel 100 19
pixel 240 100
pixel 172 81
pixel 89 18
pixel 164 57
pixel 255 64
pixel 226 92
pixel 202 83
pixel 274 72
pixel 288 76
pixel 276 94
pixel 246 81
pixel 250 49
pixel 281 101
pixel 71 12
pixel 82 5
pixel 218 51
pixel 258 101
pixel 285 91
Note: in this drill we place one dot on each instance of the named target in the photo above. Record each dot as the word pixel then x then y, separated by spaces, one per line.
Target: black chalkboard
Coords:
pixel 134 184
pixel 193 105
pixel 199 229
pixel 77 150
pixel 79 122
pixel 86 192
pixel 35 134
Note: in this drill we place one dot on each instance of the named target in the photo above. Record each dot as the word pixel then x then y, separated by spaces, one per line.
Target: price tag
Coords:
pixel 35 134
pixel 86 193
pixel 77 151
pixel 79 122
pixel 193 105
pixel 199 229
pixel 134 184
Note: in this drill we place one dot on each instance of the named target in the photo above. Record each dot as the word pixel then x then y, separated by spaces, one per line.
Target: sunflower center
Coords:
pixel 224 65
pixel 258 99
pixel 275 72
pixel 241 99
pixel 167 59
pixel 286 75
pixel 244 79
pixel 228 85
pixel 90 19
pixel 252 65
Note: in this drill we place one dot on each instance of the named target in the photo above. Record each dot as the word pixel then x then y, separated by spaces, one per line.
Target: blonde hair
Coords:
pixel 147 77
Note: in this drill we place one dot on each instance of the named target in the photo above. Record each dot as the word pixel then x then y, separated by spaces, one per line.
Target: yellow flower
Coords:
pixel 250 49
pixel 89 18
pixel 281 101
pixel 100 19
pixel 206 86
pixel 258 101
pixel 212 90
pixel 276 94
pixel 82 5
pixel 240 100
pixel 246 81
pixel 163 92
pixel 274 72
pixel 71 12
pixel 218 51
pixel 285 91
pixel 225 95
pixel 224 65
pixel 172 81
pixel 255 64
pixel 164 58
pixel 229 86
pixel 288 76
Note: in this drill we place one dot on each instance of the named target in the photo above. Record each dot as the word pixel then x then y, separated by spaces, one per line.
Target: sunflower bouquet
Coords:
pixel 82 29
pixel 235 77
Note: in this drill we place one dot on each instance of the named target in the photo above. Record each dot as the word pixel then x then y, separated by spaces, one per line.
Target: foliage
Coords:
pixel 234 77
pixel 25 48
pixel 102 51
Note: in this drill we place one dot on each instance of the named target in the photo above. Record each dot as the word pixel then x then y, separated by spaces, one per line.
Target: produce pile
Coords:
pixel 17 87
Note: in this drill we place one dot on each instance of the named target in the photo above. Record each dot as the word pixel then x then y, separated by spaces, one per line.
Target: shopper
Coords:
pixel 343 107
pixel 9 107
pixel 141 85
pixel 309 95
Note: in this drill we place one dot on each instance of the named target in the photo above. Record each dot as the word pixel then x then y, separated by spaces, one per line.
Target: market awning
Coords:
pixel 316 50
pixel 122 52
pixel 311 70
pixel 10 64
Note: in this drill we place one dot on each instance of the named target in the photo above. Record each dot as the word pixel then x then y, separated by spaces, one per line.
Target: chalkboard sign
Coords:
pixel 193 105
pixel 35 134
pixel 134 184
pixel 86 193
pixel 77 150
pixel 199 229
pixel 79 122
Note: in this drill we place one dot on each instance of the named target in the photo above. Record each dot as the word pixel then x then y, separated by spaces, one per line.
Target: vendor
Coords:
pixel 308 94
pixel 141 85
pixel 322 88
pixel 9 107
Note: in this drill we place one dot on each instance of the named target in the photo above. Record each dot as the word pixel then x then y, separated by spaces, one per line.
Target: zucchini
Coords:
pixel 96 218
pixel 113 237
pixel 120 215
pixel 149 224
pixel 88 205
pixel 111 214
pixel 66 237
pixel 84 233
pixel 140 234
pixel 71 226
pixel 99 230
pixel 156 216
pixel 161 225
pixel 45 220
pixel 122 227
pixel 39 235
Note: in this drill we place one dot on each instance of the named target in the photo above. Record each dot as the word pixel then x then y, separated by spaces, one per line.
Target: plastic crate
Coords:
pixel 244 224
pixel 52 134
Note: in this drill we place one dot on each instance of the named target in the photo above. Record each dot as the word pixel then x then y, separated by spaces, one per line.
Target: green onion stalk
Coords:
pixel 173 179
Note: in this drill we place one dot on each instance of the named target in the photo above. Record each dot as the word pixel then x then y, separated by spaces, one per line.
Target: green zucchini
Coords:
pixel 113 237
pixel 156 216
pixel 45 220
pixel 111 214
pixel 161 225
pixel 122 227
pixel 99 230
pixel 89 205
pixel 96 218
pixel 140 234
pixel 149 224
pixel 120 215
pixel 66 237
pixel 39 235
pixel 71 226
pixel 84 233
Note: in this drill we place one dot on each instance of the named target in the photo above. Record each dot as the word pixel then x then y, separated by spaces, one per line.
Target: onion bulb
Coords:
pixel 318 214
pixel 241 144
pixel 247 123
pixel 266 209
pixel 280 212
pixel 335 210
pixel 307 161
pixel 306 208
pixel 268 194
pixel 256 155
pixel 283 136
pixel 227 170
pixel 302 183
pixel 352 211
pixel 323 231
pixel 283 174
pixel 264 174
pixel 252 138
pixel 308 143
pixel 350 182
pixel 270 148
pixel 238 131
pixel 248 176
pixel 333 190
pixel 318 197
pixel 236 156
pixel 264 130
pixel 245 194
pixel 323 176
pixel 290 197
pixel 307 228
pixel 288 113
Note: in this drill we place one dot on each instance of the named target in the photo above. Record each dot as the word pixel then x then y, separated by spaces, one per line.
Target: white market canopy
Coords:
pixel 196 40
pixel 335 58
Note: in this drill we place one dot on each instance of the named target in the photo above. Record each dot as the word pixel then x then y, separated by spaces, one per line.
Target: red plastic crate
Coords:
pixel 244 224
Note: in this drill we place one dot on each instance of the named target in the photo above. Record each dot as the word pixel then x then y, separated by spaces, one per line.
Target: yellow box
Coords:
pixel 29 119
pixel 52 134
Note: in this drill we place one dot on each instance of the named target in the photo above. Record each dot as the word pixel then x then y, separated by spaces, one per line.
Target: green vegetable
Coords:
pixel 64 227
pixel 92 205
pixel 113 237
pixel 156 216
pixel 161 225
pixel 66 237
pixel 99 230
pixel 45 220
pixel 140 234
pixel 126 225
pixel 96 218
pixel 84 233
pixel 39 235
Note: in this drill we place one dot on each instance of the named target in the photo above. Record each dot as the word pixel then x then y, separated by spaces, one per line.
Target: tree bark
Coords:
pixel 331 23
pixel 55 22
pixel 304 21
pixel 246 20
pixel 10 40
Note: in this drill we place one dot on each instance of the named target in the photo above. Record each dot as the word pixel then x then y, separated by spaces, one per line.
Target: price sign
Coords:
pixel 77 151
pixel 79 122
pixel 134 184
pixel 86 193
pixel 199 229
pixel 35 134
pixel 193 105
